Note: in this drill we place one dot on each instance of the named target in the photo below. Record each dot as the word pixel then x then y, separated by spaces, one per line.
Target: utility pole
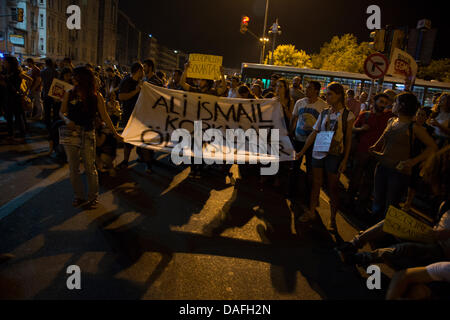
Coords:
pixel 263 50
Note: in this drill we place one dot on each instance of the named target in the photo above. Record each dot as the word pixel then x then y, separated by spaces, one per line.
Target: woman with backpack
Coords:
pixel 331 138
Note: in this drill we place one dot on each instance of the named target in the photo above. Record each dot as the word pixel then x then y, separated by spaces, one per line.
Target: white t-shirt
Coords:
pixel 439 271
pixel 443 118
pixel 335 120
pixel 307 116
pixel 233 93
pixel 444 224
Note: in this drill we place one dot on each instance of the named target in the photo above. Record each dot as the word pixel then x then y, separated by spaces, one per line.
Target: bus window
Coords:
pixel 431 94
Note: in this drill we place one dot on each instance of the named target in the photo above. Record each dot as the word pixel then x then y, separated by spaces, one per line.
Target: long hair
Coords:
pixel 286 88
pixel 86 86
pixel 436 108
pixel 338 89
pixel 13 64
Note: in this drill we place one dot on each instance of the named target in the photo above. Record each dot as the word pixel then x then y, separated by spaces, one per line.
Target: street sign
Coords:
pixel 376 66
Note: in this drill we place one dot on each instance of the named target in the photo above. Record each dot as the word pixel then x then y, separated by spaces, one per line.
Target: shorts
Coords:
pixel 330 163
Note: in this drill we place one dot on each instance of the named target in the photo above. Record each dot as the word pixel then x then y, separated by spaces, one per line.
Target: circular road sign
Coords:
pixel 376 66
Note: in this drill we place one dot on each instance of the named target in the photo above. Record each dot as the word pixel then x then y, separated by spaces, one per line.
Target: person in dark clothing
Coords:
pixel 15 115
pixel 79 110
pixel 51 107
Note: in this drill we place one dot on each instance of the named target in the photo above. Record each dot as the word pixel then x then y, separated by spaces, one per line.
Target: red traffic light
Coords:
pixel 245 20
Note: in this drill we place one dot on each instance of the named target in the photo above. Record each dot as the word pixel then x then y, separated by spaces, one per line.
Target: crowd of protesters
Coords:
pixel 387 145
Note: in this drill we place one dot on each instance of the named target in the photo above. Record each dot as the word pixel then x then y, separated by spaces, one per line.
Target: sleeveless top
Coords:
pixel 82 113
pixel 397 145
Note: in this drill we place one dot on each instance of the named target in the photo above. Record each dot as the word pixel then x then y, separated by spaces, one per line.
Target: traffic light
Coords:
pixel 378 43
pixel 244 24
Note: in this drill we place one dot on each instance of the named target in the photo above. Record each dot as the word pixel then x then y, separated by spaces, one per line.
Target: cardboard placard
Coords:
pixel 58 89
pixel 407 227
pixel 203 66
pixel 323 141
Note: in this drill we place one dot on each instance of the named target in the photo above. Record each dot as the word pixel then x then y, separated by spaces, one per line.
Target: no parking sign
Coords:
pixel 376 66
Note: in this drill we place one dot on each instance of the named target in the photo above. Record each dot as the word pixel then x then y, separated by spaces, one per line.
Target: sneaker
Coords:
pixel 123 165
pixel 93 204
pixel 332 227
pixel 77 202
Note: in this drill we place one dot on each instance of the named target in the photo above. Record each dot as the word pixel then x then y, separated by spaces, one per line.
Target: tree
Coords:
pixel 342 54
pixel 437 70
pixel 288 55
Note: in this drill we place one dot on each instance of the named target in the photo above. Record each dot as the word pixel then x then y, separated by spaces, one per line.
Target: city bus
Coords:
pixel 425 90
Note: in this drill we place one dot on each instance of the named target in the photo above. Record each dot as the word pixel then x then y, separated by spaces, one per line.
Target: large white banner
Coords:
pixel 159 112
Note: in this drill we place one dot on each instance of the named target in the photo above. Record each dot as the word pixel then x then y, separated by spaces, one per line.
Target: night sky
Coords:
pixel 212 26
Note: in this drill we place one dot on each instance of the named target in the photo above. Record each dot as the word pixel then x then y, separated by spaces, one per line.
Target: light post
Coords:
pixel 264 41
pixel 263 50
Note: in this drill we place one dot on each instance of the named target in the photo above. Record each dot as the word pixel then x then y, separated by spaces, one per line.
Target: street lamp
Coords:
pixel 263 50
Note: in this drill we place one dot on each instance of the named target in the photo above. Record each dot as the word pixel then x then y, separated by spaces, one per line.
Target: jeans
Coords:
pixel 37 103
pixel 87 152
pixel 51 112
pixel 15 117
pixel 389 187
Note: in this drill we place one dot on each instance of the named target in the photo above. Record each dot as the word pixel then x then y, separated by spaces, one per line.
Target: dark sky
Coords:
pixel 212 26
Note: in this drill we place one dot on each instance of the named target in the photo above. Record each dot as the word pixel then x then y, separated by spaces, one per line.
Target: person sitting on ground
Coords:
pixel 417 283
pixel 436 172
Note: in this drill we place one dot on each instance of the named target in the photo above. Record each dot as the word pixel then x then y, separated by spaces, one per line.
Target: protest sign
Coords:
pixel 402 65
pixel 407 227
pixel 203 66
pixel 323 141
pixel 160 111
pixel 58 89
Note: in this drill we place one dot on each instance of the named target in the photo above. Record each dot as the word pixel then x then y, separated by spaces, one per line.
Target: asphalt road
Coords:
pixel 150 237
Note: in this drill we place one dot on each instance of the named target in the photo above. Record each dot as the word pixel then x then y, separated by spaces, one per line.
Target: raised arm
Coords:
pixel 183 83
pixel 223 84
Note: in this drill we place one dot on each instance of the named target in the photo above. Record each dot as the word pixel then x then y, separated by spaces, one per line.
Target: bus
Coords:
pixel 425 90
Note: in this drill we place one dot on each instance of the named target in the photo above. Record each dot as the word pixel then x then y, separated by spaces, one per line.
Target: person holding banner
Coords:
pixel 331 138
pixel 204 86
pixel 78 110
pixel 129 90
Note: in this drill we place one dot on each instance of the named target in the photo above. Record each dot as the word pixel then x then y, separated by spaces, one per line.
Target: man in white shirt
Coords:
pixel 233 92
pixel 305 114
